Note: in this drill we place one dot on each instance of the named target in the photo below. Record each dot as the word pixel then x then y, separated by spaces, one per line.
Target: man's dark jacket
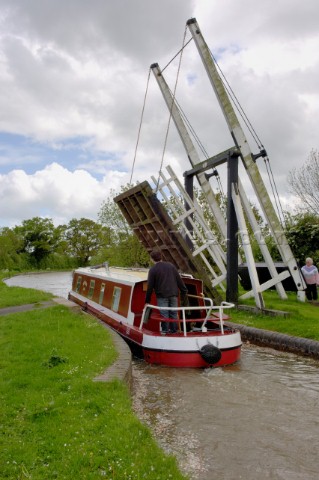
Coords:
pixel 164 278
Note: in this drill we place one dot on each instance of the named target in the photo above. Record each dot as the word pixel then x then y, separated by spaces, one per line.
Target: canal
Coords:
pixel 255 420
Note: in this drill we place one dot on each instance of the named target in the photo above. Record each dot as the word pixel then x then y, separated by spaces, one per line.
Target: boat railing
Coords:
pixel 208 306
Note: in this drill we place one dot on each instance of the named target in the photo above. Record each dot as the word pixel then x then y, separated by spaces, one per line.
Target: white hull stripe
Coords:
pixel 167 342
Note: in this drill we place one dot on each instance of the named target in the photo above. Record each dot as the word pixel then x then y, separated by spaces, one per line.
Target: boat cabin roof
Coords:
pixel 118 274
pixel 125 275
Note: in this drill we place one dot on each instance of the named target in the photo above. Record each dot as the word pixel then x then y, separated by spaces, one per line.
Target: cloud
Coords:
pixel 54 192
pixel 73 78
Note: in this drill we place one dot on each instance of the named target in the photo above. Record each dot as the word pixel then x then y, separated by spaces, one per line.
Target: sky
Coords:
pixel 73 83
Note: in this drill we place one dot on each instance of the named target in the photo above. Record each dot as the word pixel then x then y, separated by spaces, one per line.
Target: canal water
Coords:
pixel 256 420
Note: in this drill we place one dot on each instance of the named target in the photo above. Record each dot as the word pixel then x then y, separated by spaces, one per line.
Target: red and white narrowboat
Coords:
pixel 117 297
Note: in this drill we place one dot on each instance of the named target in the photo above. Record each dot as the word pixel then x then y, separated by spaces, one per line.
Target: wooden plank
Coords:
pixel 154 228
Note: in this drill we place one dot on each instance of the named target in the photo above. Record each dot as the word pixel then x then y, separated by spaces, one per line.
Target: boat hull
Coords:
pixel 173 350
pixel 183 359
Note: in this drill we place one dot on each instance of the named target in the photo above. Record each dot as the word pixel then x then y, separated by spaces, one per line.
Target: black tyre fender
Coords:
pixel 210 354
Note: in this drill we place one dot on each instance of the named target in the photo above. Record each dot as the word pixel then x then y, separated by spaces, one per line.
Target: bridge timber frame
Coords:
pixel 249 160
pixel 155 229
pixel 174 236
pixel 231 157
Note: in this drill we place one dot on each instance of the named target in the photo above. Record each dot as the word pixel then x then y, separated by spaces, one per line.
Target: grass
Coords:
pixel 303 319
pixel 56 422
pixel 10 296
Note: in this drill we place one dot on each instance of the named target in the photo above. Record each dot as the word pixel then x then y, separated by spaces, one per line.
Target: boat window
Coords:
pixel 116 298
pixel 90 294
pixel 78 284
pixel 102 293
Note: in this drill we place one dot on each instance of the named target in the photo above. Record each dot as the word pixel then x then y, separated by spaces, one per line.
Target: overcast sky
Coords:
pixel 73 77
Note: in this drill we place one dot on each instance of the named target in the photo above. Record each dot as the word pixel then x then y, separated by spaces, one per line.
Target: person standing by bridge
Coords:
pixel 311 276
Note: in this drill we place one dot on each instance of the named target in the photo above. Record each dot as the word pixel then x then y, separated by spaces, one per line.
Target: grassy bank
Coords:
pixel 56 422
pixel 302 321
pixel 12 296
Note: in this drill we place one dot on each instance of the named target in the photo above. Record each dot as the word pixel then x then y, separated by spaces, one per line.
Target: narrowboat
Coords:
pixel 116 296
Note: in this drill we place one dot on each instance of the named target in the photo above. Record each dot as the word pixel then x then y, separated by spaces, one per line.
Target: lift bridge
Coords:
pixel 180 230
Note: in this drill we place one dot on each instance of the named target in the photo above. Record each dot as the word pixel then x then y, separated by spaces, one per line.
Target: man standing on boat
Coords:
pixel 165 280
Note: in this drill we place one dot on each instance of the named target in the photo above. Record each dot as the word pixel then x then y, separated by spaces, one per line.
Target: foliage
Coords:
pixel 38 238
pixel 10 246
pixel 37 244
pixel 302 232
pixel 304 182
pixel 123 249
pixel 111 216
pixel 84 238
pixel 207 212
pixel 127 251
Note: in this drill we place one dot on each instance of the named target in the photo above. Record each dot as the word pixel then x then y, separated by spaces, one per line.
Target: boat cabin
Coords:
pixel 122 291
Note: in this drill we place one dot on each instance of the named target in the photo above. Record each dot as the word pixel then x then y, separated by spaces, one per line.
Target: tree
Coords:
pixel 84 238
pixel 111 216
pixel 38 238
pixel 10 245
pixel 124 248
pixel 302 232
pixel 304 182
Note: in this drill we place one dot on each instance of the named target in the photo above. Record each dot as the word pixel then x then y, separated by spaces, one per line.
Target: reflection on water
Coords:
pixel 254 420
